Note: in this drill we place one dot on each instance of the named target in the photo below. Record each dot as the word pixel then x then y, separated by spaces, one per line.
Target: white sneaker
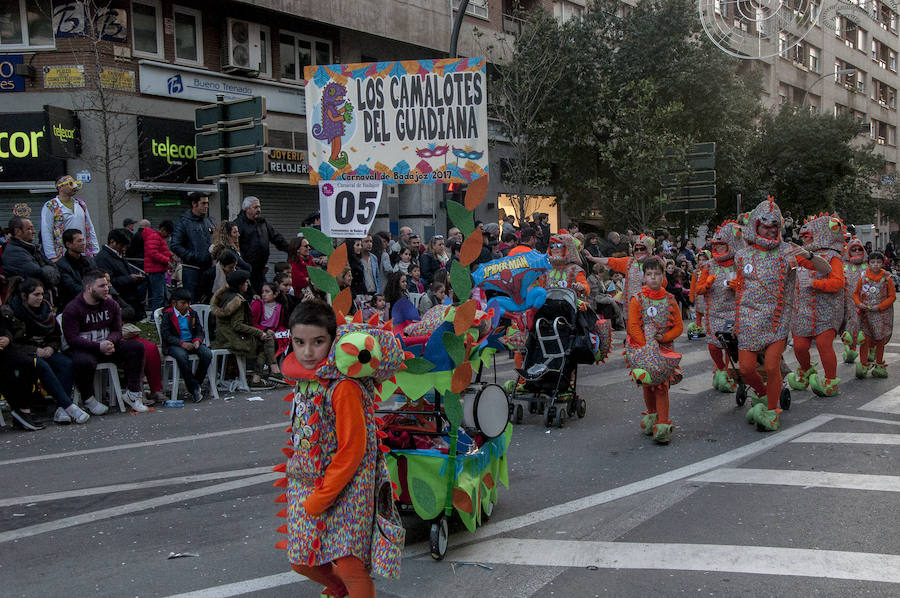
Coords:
pixel 61 417
pixel 95 406
pixel 135 400
pixel 78 415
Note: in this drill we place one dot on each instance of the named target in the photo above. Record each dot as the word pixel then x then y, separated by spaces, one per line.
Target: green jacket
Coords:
pixel 234 330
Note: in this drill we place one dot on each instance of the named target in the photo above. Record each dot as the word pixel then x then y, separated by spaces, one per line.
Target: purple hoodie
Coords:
pixel 84 326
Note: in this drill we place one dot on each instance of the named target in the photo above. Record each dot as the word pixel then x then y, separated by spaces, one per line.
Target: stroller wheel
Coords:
pixel 532 407
pixel 438 538
pixel 785 399
pixel 570 407
pixel 520 414
pixel 550 416
pixel 560 418
pixel 581 408
pixel 740 397
pixel 511 416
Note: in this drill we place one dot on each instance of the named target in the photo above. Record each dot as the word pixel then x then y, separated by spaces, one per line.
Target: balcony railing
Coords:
pixel 513 25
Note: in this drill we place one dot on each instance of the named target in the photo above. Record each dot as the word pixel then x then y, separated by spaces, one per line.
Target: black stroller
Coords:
pixel 557 342
pixel 730 342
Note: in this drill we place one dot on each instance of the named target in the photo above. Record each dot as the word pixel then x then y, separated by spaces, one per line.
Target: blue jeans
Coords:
pixel 181 357
pixel 190 280
pixel 56 376
pixel 157 281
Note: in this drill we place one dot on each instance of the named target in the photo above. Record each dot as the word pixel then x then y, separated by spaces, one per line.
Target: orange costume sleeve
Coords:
pixel 704 281
pixel 677 326
pixel 635 323
pixel 350 421
pixel 692 295
pixel 856 291
pixel 619 264
pixel 835 280
pixel 582 280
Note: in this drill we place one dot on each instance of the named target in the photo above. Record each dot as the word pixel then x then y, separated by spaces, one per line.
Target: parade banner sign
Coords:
pixel 410 121
pixel 348 208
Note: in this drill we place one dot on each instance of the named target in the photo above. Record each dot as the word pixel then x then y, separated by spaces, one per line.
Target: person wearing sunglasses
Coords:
pixel 63 212
pixel 630 267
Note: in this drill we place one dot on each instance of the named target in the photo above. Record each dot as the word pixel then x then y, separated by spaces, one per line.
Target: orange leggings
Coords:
pixel 868 343
pixel 699 318
pixel 717 356
pixel 656 398
pixel 772 365
pixel 802 344
pixel 346 576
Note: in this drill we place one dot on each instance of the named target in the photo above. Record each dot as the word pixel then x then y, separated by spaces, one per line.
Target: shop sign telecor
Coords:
pixel 287 162
pixel 56 77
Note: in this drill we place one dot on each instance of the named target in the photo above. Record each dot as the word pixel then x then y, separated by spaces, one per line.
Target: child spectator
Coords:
pixel 402 310
pixel 655 312
pixel 414 283
pixel 436 295
pixel 874 297
pixel 378 305
pixel 270 315
pixel 182 335
pixel 157 259
pixel 234 324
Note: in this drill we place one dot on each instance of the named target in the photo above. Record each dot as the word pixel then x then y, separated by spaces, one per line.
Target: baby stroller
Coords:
pixel 730 343
pixel 561 337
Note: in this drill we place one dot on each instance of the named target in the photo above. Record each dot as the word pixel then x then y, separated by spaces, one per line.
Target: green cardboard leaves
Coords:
pixel 461 217
pixel 455 346
pixel 453 409
pixel 418 365
pixel 319 240
pixel 460 280
pixel 323 281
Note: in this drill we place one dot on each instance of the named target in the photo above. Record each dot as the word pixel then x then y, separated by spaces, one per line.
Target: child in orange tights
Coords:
pixel 874 298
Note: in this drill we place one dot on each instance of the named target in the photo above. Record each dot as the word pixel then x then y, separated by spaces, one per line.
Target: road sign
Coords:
pixel 689 192
pixel 691 205
pixel 232 113
pixel 698 177
pixel 232 139
pixel 240 164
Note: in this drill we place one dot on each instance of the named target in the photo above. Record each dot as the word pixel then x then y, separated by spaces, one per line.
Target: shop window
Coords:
pixel 25 24
pixel 147 28
pixel 299 51
pixel 188 35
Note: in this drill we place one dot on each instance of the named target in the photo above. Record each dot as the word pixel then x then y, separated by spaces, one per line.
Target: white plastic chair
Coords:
pixel 2 421
pixel 169 362
pixel 107 368
pixel 203 310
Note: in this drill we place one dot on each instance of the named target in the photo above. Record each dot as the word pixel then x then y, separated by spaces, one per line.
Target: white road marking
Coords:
pixel 889 402
pixel 131 508
pixel 245 587
pixel 849 438
pixel 123 447
pixel 757 560
pixel 187 479
pixel 806 479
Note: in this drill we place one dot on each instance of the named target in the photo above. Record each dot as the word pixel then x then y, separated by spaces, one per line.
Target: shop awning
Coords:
pixel 131 185
pixel 32 186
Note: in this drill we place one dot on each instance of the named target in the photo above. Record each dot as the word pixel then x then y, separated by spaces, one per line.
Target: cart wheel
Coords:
pixel 785 398
pixel 511 416
pixel 438 538
pixel 581 408
pixel 550 416
pixel 520 414
pixel 570 407
pixel 560 418
pixel 740 397
pixel 532 407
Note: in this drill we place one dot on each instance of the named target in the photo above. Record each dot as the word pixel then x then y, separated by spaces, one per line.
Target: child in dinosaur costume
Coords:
pixel 654 322
pixel 764 289
pixel 335 461
pixel 854 267
pixel 718 297
pixel 818 305
pixel 631 268
pixel 695 328
pixel 874 297
pixel 563 255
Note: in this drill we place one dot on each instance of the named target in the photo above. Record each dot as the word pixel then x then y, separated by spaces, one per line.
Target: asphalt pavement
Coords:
pixel 593 509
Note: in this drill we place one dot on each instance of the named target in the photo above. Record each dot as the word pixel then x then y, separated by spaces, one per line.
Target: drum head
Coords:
pixel 491 410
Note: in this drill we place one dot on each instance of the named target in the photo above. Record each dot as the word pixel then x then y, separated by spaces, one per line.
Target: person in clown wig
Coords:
pixel 334 460
pixel 819 304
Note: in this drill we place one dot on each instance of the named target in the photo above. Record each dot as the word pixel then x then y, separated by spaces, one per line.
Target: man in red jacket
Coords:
pixel 157 258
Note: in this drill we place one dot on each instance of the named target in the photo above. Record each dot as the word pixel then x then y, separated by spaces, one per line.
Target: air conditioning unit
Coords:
pixel 242 48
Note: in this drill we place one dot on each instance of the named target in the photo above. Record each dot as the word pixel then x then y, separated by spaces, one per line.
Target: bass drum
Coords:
pixel 486 410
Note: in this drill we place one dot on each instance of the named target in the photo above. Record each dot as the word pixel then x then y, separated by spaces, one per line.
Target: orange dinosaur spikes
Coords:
pixel 281 545
pixel 373 321
pixel 389 326
pixel 281 483
pixel 282 513
pixel 357 318
pixel 407 355
pixel 281 498
pixel 288 430
pixel 341 320
pixel 280 468
pixel 282 530
pixel 288 452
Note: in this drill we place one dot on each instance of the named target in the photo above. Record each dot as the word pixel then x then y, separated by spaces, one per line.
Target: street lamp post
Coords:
pixel 835 73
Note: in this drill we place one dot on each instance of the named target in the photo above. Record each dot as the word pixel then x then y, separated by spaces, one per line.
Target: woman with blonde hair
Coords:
pixel 434 259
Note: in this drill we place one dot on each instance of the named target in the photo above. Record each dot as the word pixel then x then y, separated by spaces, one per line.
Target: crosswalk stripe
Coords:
pixel 849 438
pixel 806 479
pixel 889 402
pixel 760 560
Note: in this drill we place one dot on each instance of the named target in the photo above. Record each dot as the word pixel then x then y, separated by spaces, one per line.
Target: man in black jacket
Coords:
pixel 72 265
pixel 256 234
pixel 191 240
pixel 21 257
pixel 125 279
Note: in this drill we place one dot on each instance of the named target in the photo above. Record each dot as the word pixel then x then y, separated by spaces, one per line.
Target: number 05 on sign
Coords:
pixel 347 208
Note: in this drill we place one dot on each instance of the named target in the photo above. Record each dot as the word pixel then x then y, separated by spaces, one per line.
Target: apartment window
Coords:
pixel 476 8
pixel 892 60
pixel 265 59
pixel 814 59
pixel 188 35
pixel 299 51
pixel 891 135
pixel 147 28
pixel 25 24
pixel 783 46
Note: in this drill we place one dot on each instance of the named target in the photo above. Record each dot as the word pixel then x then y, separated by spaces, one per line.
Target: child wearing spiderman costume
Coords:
pixel 874 298
pixel 855 259
pixel 818 305
pixel 714 291
pixel 654 322
pixel 334 463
